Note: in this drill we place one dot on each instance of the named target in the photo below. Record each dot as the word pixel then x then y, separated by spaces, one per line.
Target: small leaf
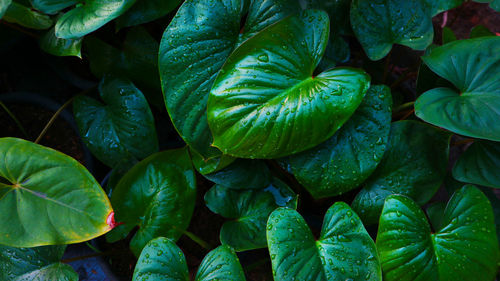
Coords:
pixel 158 196
pixel 414 165
pixel 60 47
pixel 471 109
pixel 265 103
pixel 52 6
pixel 144 11
pixel 465 248
pixel 479 164
pixel 24 16
pixel 480 31
pixel 344 250
pixel 448 35
pixel 351 155
pixel 47 191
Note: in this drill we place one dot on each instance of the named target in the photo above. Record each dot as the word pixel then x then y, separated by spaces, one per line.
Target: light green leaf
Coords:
pixel 144 11
pixel 414 165
pixel 479 164
pixel 60 47
pixel 54 272
pixel 24 16
pixel 158 196
pixel 4 5
pixel 344 250
pixel 193 49
pixel 43 192
pixel 471 109
pixel 351 155
pixel 120 128
pixel 53 6
pixel 89 16
pixel 465 248
pixel 249 210
pixel 265 103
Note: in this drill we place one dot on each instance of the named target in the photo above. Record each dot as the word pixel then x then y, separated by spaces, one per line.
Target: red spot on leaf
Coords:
pixel 111 221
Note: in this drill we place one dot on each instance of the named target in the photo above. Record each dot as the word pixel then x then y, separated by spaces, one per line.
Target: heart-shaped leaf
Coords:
pixel 144 11
pixel 414 165
pixel 472 66
pixel 249 211
pixel 158 196
pixel 479 164
pixel 4 5
pixel 265 103
pixel 42 192
pixel 193 49
pixel 344 250
pixel 25 16
pixel 464 248
pixel 60 47
pixel 89 16
pixel 52 6
pixel 243 174
pixel 161 259
pixel 120 128
pixel 351 155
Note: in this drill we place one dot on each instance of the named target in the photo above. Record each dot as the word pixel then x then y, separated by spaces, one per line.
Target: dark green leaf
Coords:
pixel 465 248
pixel 158 196
pixel 43 192
pixel 249 210
pixel 479 164
pixel 265 103
pixel 52 6
pixel 472 109
pixel 144 11
pixel 435 212
pixel 448 35
pixel 348 158
pixel 60 47
pixel 210 165
pixel 480 31
pixel 243 174
pixel 54 272
pixel 414 164
pixel 193 49
pixel 24 16
pixel 89 16
pixel 120 128
pixel 344 250
pixel 4 5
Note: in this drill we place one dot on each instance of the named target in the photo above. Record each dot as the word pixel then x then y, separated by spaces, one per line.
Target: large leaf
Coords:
pixel 4 5
pixel 351 155
pixel 60 47
pixel 471 109
pixel 243 174
pixel 120 128
pixel 144 11
pixel 265 103
pixel 162 260
pixel 414 165
pixel 193 49
pixel 158 196
pixel 249 210
pixel 344 250
pixel 24 16
pixel 479 164
pixel 54 272
pixel 465 248
pixel 52 6
pixel 47 197
pixel 89 16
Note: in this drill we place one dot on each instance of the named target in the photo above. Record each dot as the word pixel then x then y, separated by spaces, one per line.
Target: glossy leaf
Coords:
pixel 90 16
pixel 4 5
pixel 210 165
pixel 24 16
pixel 52 6
pixel 265 103
pixel 144 11
pixel 344 250
pixel 414 165
pixel 471 109
pixel 193 49
pixel 479 164
pixel 120 128
pixel 42 192
pixel 465 248
pixel 60 47
pixel 249 210
pixel 158 196
pixel 54 272
pixel 222 263
pixel 243 174
pixel 378 24
pixel 351 155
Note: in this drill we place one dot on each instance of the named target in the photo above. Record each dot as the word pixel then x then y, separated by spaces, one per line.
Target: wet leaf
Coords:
pixel 60 47
pixel 52 6
pixel 243 174
pixel 144 11
pixel 479 164
pixel 24 16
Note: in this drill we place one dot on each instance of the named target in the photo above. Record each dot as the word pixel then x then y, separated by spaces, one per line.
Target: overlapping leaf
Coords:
pixel 60 47
pixel 4 5
pixel 479 164
pixel 52 6
pixel 243 174
pixel 144 11
pixel 24 16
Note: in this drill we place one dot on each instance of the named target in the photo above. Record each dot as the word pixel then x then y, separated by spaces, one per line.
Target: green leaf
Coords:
pixel 162 260
pixel 344 250
pixel 60 47
pixel 414 165
pixel 52 6
pixel 435 213
pixel 207 166
pixel 243 174
pixel 24 16
pixel 479 164
pixel 480 31
pixel 120 128
pixel 144 11
pixel 448 35
pixel 89 16
pixel 249 210
pixel 378 24
pixel 265 103
pixel 43 192
pixel 465 248
pixel 438 6
pixel 193 49
pixel 4 5
pixel 351 155
pixel 54 272
pixel 471 109
pixel 158 196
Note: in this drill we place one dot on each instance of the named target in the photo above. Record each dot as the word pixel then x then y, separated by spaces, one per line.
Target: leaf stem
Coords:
pixel 18 123
pixel 404 106
pixel 197 239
